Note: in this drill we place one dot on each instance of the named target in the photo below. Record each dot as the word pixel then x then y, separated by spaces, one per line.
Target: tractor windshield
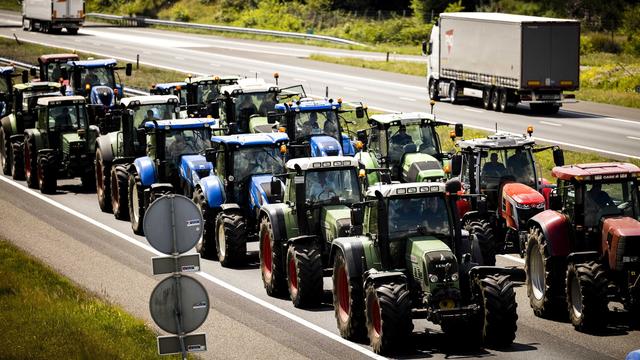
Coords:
pixel 411 216
pixel 30 98
pixel 4 85
pixel 187 141
pixel 55 71
pixel 67 118
pixel 206 92
pixel 254 103
pixel 100 76
pixel 317 123
pixel 151 112
pixel 257 160
pixel 413 138
pixel 332 186
pixel 610 198
pixel 505 165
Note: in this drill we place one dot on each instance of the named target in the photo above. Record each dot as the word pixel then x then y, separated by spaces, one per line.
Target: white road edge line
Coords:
pixel 550 123
pixel 407 99
pixel 633 138
pixel 204 275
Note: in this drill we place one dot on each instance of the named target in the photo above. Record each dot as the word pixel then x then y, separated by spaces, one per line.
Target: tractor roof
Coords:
pixel 249 86
pixel 58 100
pixel 596 171
pixel 97 63
pixel 167 86
pixel 404 189
pixel 48 58
pixel 251 139
pixel 497 141
pixel 400 118
pixel 191 123
pixel 6 70
pixel 38 85
pixel 225 80
pixel 322 162
pixel 149 100
pixel 308 104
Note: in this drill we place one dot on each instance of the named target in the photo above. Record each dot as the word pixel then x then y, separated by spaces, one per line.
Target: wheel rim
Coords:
pixel 452 93
pixel 27 162
pixel 136 204
pixel 486 98
pixel 432 89
pixel 495 99
pixel 221 240
pixel 99 173
pixel 115 193
pixel 503 101
pixel 376 320
pixel 576 297
pixel 293 277
pixel 343 294
pixel 537 273
pixel 267 260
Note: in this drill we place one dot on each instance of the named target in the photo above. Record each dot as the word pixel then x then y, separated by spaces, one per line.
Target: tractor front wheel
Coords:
pixel 206 244
pixel 389 321
pixel 120 192
pixel 17 163
pixel 486 239
pixel 497 301
pixel 231 239
pixel 47 174
pixel 545 277
pixel 304 274
pixel 587 296
pixel 103 182
pixel 31 163
pixel 136 203
pixel 348 301
pixel 5 152
pixel 271 259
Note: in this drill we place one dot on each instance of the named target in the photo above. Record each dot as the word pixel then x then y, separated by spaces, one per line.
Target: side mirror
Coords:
pixel 25 76
pixel 210 155
pixel 456 164
pixel 34 71
pixel 424 47
pixel 459 130
pixel 272 117
pixel 361 135
pixel 128 70
pixel 558 157
pixel 359 112
pixel 276 187
pixel 357 219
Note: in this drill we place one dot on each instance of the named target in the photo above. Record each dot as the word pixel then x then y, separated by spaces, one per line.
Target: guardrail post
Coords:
pixel 137 61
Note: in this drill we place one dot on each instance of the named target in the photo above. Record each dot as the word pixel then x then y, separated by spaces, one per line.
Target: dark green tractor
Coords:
pixel 295 235
pixel 61 145
pixel 407 258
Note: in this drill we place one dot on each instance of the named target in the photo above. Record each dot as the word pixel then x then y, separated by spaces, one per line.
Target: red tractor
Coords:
pixel 585 250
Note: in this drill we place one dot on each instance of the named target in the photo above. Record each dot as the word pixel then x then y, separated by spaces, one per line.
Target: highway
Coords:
pixel 68 231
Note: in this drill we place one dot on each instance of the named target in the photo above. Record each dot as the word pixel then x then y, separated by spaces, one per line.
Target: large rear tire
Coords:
pixel 103 182
pixel 5 152
pixel 304 275
pixel 389 321
pixel 486 239
pixel 120 192
pixel 271 260
pixel 136 203
pixel 231 239
pixel 587 296
pixel 545 277
pixel 348 301
pixel 47 174
pixel 497 299
pixel 206 245
pixel 31 163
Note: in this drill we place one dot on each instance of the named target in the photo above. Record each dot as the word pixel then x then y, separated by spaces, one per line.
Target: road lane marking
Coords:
pixel 179 58
pixel 473 110
pixel 299 80
pixel 633 138
pixel 204 275
pixel 550 123
pixel 350 89
pixel 407 99
pixel 624 121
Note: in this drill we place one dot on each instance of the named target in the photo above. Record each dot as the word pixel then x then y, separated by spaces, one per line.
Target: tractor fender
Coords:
pixel 36 135
pixel 378 278
pixel 324 145
pixel 471 215
pixel 555 228
pixel 303 239
pixel 46 151
pixel 353 250
pixel 258 194
pixel 6 126
pixel 213 191
pixel 275 214
pixel 104 145
pixel 146 169
pixel 16 138
pixel 189 164
pixel 348 149
pixel 122 160
pixel 583 256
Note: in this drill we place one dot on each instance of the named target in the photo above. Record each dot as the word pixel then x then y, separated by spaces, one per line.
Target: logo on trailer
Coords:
pixel 448 38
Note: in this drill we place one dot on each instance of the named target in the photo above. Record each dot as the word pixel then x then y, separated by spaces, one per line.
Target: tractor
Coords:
pixel 232 195
pixel 174 149
pixel 54 67
pixel 408 258
pixel 584 251
pixel 123 143
pixel 21 115
pixel 202 93
pixel 6 86
pixel 406 144
pixel 295 236
pixel 61 145
pixel 314 127
pixel 178 89
pixel 502 167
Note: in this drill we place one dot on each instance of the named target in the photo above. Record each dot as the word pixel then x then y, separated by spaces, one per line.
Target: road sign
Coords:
pixel 171 344
pixel 171 264
pixel 179 304
pixel 173 224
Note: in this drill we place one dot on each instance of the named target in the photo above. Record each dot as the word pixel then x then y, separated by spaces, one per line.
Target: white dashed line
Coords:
pixel 624 121
pixel 407 99
pixel 550 123
pixel 214 65
pixel 473 110
pixel 350 89
pixel 633 138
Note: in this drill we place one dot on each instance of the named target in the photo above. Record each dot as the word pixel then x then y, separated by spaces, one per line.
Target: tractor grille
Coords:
pixel 525 214
pixel 438 262
pixel 628 251
pixel 335 152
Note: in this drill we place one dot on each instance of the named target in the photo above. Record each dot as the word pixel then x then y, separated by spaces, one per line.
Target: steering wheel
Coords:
pixel 328 192
pixel 624 206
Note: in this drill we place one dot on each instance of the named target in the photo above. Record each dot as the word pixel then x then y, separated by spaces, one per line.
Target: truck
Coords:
pixel 51 16
pixel 504 60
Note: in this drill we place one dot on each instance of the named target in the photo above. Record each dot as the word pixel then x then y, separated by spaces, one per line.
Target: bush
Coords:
pixel 181 14
pixel 604 43
pixel 586 46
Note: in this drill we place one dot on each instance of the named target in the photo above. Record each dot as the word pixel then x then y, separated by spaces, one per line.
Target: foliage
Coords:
pixel 455 7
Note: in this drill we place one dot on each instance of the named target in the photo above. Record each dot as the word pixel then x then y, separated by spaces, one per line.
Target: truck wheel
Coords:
pixel 587 296
pixel 231 239
pixel 497 301
pixel 503 100
pixel 47 174
pixel 495 99
pixel 206 245
pixel 486 239
pixel 348 301
pixel 120 192
pixel 389 321
pixel 304 274
pixel 5 152
pixel 433 90
pixel 103 182
pixel 17 165
pixel 545 277
pixel 486 98
pixel 136 203
pixel 31 163
pixel 72 31
pixel 271 260
pixel 453 92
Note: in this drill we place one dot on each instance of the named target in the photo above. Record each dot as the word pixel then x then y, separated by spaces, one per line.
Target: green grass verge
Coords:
pixel 45 316
pixel 10 5
pixel 402 67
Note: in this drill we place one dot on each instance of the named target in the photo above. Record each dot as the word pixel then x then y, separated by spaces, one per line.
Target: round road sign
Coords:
pixel 193 308
pixel 187 219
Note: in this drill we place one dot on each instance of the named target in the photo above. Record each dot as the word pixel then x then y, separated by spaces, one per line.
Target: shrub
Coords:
pixel 604 43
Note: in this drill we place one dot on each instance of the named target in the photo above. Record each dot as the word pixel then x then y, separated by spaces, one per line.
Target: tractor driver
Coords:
pixel 402 215
pixel 179 146
pixel 323 188
pixel 310 125
pixel 596 200
pixel 494 167
pixel 268 104
pixel 401 138
pixel 63 120
pixel 330 127
pixel 436 218
pixel 150 116
pixel 91 78
pixel 247 108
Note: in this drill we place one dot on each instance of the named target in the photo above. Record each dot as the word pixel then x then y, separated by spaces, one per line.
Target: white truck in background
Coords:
pixel 504 60
pixel 52 16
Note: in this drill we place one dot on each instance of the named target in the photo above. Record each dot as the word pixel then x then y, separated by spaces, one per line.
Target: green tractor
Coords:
pixel 407 257
pixel 406 144
pixel 6 85
pixel 61 145
pixel 22 115
pixel 295 235
pixel 201 93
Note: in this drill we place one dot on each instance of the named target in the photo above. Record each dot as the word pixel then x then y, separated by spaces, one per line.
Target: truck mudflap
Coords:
pixel 514 273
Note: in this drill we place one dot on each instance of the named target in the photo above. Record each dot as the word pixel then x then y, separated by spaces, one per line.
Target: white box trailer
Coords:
pixel 53 15
pixel 504 60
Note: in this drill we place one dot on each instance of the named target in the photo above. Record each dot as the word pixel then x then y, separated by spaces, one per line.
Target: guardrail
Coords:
pixel 141 21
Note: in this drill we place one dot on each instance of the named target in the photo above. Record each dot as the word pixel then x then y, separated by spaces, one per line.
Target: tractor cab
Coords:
pixel 201 93
pixel 25 98
pixel 6 85
pixel 96 81
pixel 178 89
pixel 63 120
pixel 55 67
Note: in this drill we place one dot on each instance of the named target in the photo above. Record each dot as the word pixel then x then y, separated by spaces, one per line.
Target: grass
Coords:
pixel 10 5
pixel 45 316
pixel 401 67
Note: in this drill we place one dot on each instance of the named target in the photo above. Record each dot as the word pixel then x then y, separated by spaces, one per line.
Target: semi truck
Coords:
pixel 504 60
pixel 51 16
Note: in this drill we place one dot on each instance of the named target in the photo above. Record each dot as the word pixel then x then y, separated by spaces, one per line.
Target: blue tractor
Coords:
pixel 246 169
pixel 174 163
pixel 178 89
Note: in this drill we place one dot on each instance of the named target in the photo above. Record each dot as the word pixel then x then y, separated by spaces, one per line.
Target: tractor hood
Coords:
pixel 425 256
pixel 335 221
pixel 522 194
pixel 621 242
pixel 324 145
pixel 621 226
pixel 419 167
pixel 194 167
pixel 260 189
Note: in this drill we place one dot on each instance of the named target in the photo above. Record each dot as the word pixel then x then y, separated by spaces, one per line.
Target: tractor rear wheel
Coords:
pixel 47 174
pixel 497 301
pixel 136 203
pixel 348 301
pixel 120 192
pixel 17 163
pixel 103 182
pixel 587 296
pixel 271 259
pixel 389 321
pixel 206 245
pixel 486 239
pixel 31 163
pixel 304 275
pixel 5 152
pixel 545 277
pixel 231 239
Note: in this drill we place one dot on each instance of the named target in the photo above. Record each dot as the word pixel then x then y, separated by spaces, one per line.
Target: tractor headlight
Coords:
pixel 433 278
pixel 454 277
